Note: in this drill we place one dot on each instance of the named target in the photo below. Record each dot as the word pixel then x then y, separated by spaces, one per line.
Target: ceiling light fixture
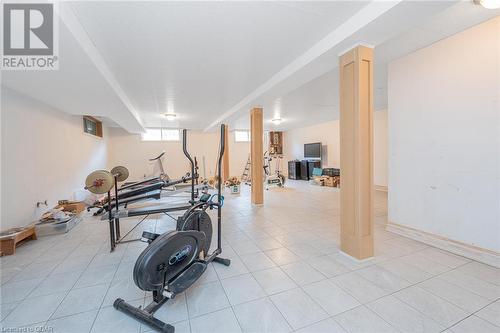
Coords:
pixel 170 116
pixel 276 121
pixel 488 4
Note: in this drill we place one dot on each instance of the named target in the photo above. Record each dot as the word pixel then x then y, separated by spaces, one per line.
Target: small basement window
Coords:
pixel 92 126
pixel 152 134
pixel 170 135
pixel 241 136
pixel 161 134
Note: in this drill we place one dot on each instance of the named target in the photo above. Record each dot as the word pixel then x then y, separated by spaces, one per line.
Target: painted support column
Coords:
pixel 225 158
pixel 356 152
pixel 257 155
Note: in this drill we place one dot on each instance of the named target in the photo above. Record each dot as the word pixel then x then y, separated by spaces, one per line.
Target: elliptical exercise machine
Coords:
pixel 270 178
pixel 173 261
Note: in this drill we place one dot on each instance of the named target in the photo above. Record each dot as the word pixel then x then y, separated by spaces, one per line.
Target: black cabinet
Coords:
pixel 293 169
pixel 302 169
pixel 310 166
pixel 306 168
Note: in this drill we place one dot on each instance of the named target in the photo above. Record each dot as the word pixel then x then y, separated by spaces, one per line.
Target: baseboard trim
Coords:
pixel 486 256
pixel 381 188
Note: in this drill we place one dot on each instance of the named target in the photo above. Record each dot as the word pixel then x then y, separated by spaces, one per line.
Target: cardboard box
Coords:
pixel 329 181
pixel 332 181
pixel 319 180
pixel 75 207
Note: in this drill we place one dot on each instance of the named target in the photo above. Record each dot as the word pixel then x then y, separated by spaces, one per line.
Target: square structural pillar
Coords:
pixel 257 155
pixel 225 158
pixel 356 152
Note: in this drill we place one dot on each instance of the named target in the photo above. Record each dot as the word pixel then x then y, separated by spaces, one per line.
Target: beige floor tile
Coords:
pixel 440 310
pixel 402 316
pixel 363 320
pixel 491 313
pixel 474 324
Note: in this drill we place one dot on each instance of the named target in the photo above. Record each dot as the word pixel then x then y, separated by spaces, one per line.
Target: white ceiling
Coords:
pixel 77 87
pixel 312 101
pixel 198 59
pixel 131 62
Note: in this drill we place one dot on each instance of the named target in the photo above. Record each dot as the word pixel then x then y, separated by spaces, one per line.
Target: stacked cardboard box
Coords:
pixel 333 181
pixel 75 207
pixel 319 180
pixel 327 181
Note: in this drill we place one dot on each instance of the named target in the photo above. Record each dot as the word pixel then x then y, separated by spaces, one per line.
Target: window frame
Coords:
pixel 171 130
pixel 248 137
pixel 162 134
pixel 98 126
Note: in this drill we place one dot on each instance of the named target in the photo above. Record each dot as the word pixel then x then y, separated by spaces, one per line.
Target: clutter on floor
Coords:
pixel 61 219
pixel 326 177
pixel 233 183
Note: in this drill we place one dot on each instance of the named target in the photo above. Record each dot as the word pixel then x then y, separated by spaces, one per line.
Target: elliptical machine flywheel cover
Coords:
pixel 198 220
pixel 167 256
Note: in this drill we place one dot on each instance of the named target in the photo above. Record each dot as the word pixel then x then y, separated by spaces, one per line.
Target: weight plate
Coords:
pixel 166 257
pixel 99 182
pixel 197 220
pixel 121 173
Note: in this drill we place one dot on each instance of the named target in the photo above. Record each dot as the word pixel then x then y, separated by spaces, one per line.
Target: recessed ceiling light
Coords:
pixel 489 4
pixel 170 116
pixel 276 121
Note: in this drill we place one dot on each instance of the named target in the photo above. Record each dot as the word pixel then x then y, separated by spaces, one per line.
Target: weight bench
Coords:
pixel 140 190
pixel 114 216
pixel 156 195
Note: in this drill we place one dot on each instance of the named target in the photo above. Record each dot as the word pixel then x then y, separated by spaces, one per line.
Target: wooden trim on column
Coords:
pixel 256 155
pixel 225 158
pixel 356 152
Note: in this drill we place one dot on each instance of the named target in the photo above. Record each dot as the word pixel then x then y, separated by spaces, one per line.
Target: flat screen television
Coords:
pixel 312 151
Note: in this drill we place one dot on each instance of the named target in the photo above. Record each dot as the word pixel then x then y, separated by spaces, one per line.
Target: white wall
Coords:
pixel 45 156
pixel 380 148
pixel 329 135
pixel 239 152
pixel 444 138
pixel 129 150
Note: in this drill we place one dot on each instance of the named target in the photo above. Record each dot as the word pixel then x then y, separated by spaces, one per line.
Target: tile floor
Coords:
pixel 287 274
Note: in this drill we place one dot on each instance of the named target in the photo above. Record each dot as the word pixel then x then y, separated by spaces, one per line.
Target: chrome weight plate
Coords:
pixel 99 182
pixel 120 172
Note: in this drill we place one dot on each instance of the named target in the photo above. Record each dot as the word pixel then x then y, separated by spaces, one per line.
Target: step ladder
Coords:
pixel 245 177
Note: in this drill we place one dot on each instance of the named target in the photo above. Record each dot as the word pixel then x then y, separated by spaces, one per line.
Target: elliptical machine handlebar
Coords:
pixel 188 156
pixel 219 183
pixel 157 157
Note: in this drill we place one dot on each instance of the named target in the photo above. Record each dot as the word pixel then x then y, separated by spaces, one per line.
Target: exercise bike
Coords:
pixel 276 178
pixel 173 261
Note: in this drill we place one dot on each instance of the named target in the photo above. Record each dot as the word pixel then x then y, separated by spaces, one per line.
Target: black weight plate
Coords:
pixel 197 220
pixel 167 256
